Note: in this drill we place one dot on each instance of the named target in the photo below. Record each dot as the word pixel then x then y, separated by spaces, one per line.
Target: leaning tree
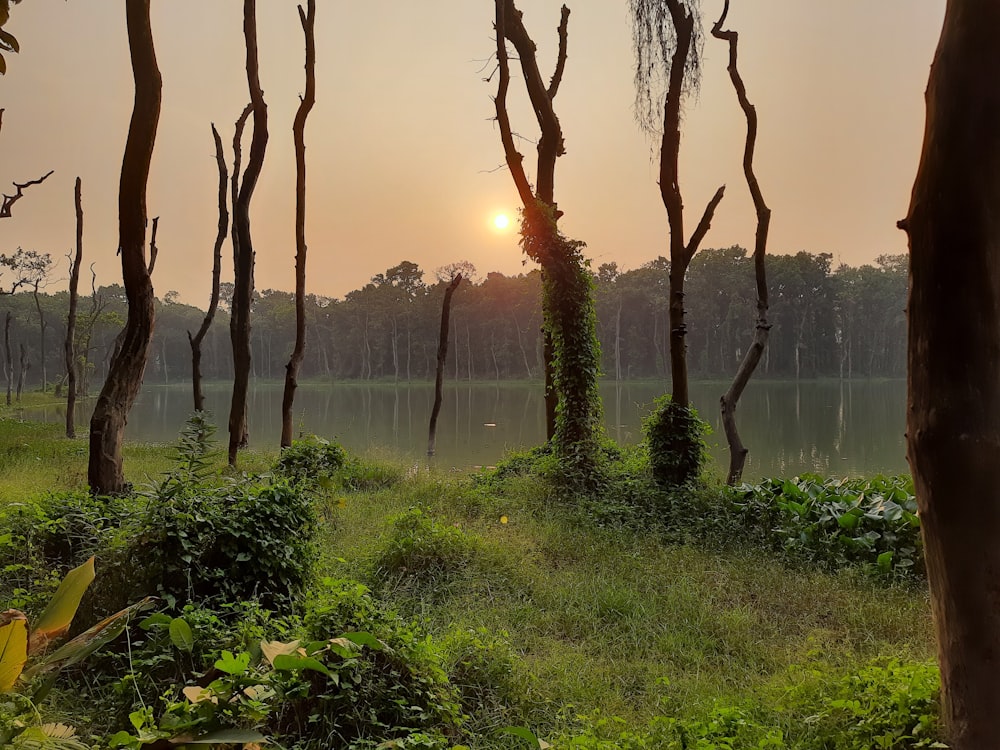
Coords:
pixel 953 406
pixel 107 425
pixel 567 289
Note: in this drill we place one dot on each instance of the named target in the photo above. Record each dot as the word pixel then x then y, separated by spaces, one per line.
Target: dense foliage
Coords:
pixel 827 322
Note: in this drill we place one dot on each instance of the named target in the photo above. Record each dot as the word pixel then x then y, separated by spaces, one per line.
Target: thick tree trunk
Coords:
pixel 442 356
pixel 243 258
pixel 299 133
pixel 953 410
pixel 220 238
pixel 74 285
pixel 107 425
pixel 730 399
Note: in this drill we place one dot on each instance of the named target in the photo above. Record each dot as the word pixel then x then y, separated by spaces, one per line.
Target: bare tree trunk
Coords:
pixel 618 343
pixel 442 355
pixel 299 133
pixel 953 410
pixel 74 284
pixel 22 368
pixel 107 425
pixel 220 238
pixel 730 399
pixel 520 345
pixel 243 257
pixel 9 369
pixel 42 325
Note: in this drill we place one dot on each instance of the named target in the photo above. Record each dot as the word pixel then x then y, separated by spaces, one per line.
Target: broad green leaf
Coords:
pixel 233 664
pixel 527 735
pixel 56 618
pixel 293 663
pixel 365 639
pixel 13 647
pixel 885 561
pixel 181 635
pixel 847 521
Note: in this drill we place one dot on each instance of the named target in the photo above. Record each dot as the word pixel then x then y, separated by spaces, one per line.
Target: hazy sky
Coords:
pixel 403 155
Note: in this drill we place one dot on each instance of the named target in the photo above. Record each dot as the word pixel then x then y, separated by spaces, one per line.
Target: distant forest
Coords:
pixel 827 322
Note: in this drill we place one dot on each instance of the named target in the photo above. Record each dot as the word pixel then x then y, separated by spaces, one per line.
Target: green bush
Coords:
pixel 675 436
pixel 312 460
pixel 364 475
pixel 424 549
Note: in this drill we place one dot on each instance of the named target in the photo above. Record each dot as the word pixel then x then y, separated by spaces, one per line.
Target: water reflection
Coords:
pixel 829 427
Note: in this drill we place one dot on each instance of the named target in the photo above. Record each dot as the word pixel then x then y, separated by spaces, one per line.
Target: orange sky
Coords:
pixel 402 152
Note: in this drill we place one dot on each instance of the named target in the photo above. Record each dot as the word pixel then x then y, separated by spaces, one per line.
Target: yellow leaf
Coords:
pixel 13 647
pixel 197 694
pixel 503 519
pixel 342 502
pixel 270 649
pixel 56 618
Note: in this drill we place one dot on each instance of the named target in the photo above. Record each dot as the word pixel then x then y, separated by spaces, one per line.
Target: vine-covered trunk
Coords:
pixel 308 21
pixel 107 425
pixel 74 285
pixel 442 356
pixel 953 409
pixel 243 258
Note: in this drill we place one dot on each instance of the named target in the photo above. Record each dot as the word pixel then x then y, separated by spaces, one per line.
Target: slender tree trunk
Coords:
pixel 953 410
pixel 74 285
pixel 520 345
pixel 442 356
pixel 41 331
pixel 220 238
pixel 299 132
pixel 9 369
pixel 243 260
pixel 618 343
pixel 730 399
pixel 22 369
pixel 107 425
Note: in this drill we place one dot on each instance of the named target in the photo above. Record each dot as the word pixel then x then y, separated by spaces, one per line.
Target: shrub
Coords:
pixel 313 460
pixel 424 549
pixel 676 439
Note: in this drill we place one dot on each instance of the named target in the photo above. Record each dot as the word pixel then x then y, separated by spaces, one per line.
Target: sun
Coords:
pixel 501 221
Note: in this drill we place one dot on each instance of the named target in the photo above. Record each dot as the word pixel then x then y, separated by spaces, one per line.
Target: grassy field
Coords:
pixel 546 620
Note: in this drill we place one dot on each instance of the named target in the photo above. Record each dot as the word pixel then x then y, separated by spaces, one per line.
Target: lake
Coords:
pixel 836 428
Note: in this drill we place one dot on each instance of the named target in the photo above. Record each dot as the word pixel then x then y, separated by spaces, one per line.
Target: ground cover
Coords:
pixel 482 603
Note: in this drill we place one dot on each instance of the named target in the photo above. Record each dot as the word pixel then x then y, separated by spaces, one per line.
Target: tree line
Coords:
pixel 827 322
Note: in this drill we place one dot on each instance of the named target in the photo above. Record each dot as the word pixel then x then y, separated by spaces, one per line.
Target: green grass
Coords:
pixel 613 620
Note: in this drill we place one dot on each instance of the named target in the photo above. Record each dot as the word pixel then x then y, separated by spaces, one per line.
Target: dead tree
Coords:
pixel 74 284
pixel 442 356
pixel 567 300
pixel 220 239
pixel 953 405
pixel 299 134
pixel 243 258
pixel 666 40
pixel 107 425
pixel 730 399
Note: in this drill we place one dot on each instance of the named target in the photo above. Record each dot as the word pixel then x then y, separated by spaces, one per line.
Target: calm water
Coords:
pixel 830 427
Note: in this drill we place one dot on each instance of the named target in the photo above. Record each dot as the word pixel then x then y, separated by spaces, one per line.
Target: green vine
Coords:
pixel 570 320
pixel 676 438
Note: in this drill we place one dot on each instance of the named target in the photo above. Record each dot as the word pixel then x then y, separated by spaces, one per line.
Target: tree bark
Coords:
pixel 220 238
pixel 9 369
pixel 730 399
pixel 243 256
pixel 22 369
pixel 107 425
pixel 442 356
pixel 953 409
pixel 42 325
pixel 74 285
pixel 308 21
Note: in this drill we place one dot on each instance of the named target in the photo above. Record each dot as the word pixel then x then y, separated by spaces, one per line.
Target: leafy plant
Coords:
pixel 423 548
pixel 676 439
pixel 312 460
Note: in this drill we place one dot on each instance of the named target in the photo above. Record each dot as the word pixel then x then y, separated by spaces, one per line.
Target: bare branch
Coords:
pixel 513 156
pixel 10 200
pixel 561 58
pixel 703 226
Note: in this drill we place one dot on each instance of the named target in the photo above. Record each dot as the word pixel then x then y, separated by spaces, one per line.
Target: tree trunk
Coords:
pixel 442 356
pixel 730 399
pixel 953 410
pixel 299 133
pixel 220 238
pixel 41 331
pixel 243 258
pixel 9 369
pixel 107 425
pixel 74 285
pixel 22 369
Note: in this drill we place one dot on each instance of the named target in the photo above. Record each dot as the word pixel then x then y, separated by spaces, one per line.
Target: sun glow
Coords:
pixel 501 221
